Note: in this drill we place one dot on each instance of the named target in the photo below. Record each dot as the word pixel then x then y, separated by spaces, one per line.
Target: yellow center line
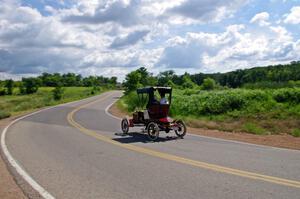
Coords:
pixel 166 156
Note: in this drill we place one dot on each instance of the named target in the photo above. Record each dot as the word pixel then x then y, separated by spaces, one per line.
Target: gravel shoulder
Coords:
pixel 282 141
pixel 8 187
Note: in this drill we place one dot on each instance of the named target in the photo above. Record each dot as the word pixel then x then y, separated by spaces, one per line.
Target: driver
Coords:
pixel 163 99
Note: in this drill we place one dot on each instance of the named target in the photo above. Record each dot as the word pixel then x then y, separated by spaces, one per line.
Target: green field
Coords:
pixel 16 104
pixel 267 111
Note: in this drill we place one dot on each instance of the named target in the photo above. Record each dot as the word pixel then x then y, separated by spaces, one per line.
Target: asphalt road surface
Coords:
pixel 76 151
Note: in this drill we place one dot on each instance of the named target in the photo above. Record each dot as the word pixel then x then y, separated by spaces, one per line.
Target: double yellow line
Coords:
pixel 166 156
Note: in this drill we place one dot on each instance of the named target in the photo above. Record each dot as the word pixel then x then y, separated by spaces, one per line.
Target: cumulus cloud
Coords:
pixel 235 48
pixel 205 10
pixel 262 19
pixel 130 39
pixel 112 37
pixel 294 16
pixel 120 11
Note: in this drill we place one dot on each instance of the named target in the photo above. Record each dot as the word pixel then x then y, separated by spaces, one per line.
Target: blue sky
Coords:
pixel 113 37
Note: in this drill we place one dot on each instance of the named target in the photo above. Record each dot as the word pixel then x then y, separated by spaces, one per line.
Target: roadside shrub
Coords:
pixel 4 114
pixel 133 102
pixel 296 133
pixel 58 93
pixel 287 95
pixel 95 89
pixel 254 129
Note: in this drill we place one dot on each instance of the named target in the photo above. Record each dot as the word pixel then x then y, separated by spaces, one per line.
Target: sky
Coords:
pixel 114 37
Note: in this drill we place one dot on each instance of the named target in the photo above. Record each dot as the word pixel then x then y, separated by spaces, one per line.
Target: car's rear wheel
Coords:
pixel 153 131
pixel 181 129
pixel 125 125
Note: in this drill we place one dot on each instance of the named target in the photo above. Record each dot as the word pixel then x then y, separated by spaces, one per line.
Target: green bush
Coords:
pixel 208 84
pixel 58 93
pixel 95 89
pixel 2 91
pixel 296 133
pixel 4 114
pixel 287 95
pixel 30 85
pixel 254 129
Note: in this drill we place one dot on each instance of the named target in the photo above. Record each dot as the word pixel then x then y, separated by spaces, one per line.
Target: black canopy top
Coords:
pixel 151 89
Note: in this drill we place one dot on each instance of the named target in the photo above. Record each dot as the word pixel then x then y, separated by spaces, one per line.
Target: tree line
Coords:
pixel 31 84
pixel 258 77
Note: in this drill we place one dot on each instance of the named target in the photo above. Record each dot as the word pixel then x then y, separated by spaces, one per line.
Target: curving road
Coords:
pixel 76 151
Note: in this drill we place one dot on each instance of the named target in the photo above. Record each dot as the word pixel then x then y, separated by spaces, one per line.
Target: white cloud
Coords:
pixel 235 48
pixel 112 37
pixel 262 19
pixel 203 11
pixel 294 16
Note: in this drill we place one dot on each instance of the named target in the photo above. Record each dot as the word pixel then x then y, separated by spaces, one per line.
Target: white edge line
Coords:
pixel 213 138
pixel 43 192
pixel 108 113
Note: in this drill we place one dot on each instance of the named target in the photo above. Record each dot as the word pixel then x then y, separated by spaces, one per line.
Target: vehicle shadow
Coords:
pixel 135 137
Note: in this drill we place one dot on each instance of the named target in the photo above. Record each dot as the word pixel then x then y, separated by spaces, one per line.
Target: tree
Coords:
pixel 164 77
pixel 144 75
pixel 31 85
pixel 208 84
pixel 187 82
pixel 9 84
pixel 132 81
pixel 113 80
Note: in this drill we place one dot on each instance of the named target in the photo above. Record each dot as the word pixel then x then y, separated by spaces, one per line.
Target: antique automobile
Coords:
pixel 155 117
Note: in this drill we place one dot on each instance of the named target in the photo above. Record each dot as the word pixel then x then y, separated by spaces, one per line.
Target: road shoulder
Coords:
pixel 8 186
pixel 281 141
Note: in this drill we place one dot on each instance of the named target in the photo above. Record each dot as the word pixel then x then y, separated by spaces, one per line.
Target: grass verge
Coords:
pixel 17 104
pixel 260 112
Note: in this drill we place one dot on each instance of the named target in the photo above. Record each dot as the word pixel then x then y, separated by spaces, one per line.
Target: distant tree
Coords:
pixel 208 84
pixel 9 84
pixel 163 78
pixel 69 79
pixel 113 81
pixel 187 82
pixel 30 85
pixel 89 81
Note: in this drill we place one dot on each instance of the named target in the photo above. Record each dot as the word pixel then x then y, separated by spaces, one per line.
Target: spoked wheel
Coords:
pixel 125 125
pixel 153 131
pixel 181 129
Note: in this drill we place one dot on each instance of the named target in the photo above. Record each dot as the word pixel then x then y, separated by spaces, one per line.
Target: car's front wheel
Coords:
pixel 125 125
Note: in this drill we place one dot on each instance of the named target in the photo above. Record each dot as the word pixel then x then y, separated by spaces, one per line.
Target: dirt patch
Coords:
pixel 8 187
pixel 281 140
pixel 116 111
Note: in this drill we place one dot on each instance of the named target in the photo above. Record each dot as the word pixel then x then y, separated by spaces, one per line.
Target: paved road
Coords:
pixel 75 151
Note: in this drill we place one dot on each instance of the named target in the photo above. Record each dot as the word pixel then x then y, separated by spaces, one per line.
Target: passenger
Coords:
pixel 163 99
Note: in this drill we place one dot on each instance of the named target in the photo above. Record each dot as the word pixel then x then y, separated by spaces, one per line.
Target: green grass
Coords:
pixel 254 111
pixel 254 129
pixel 16 104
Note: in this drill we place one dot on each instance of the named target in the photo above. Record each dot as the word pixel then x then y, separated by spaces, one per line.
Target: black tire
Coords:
pixel 181 129
pixel 125 125
pixel 153 131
